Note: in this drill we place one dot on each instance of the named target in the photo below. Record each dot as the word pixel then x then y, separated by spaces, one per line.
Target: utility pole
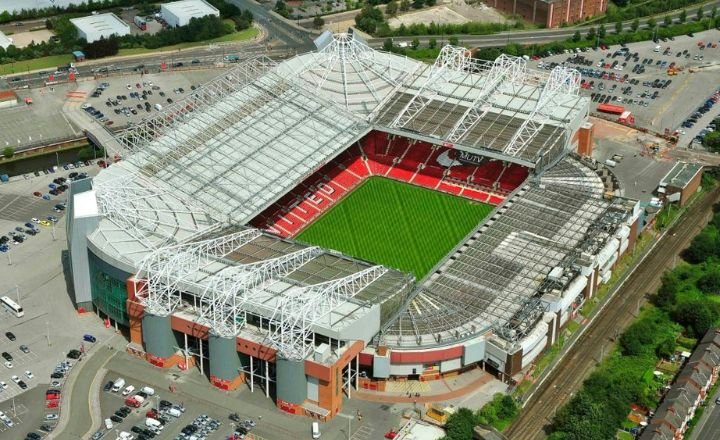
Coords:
pixel 47 333
pixel 17 293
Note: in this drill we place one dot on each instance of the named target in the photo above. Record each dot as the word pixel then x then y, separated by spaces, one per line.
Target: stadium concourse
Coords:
pixel 188 242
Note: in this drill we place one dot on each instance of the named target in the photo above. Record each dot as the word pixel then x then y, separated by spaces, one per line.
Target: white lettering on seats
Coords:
pixel 327 189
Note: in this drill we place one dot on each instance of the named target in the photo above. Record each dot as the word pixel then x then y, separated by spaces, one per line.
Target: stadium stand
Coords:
pixel 168 230
pixel 394 157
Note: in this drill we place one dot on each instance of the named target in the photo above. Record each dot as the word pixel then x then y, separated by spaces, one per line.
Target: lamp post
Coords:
pixel 349 419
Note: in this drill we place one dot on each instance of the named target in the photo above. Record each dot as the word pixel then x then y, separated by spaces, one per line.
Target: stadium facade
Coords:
pixel 188 242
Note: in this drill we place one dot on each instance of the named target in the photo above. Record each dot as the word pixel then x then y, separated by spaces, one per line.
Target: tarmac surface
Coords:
pixel 579 359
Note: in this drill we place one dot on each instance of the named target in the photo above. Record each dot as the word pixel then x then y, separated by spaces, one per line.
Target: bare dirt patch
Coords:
pixel 23 39
pixel 450 12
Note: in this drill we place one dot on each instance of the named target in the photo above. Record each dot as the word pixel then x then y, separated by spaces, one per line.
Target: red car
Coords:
pixel 391 434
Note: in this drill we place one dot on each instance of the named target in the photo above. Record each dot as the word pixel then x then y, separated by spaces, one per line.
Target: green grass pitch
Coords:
pixel 396 224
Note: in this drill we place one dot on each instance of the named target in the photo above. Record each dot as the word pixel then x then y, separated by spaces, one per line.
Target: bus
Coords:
pixel 12 306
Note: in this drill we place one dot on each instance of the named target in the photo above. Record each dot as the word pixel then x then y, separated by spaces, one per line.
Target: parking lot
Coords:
pixel 637 77
pixel 35 271
pixel 31 208
pixel 127 100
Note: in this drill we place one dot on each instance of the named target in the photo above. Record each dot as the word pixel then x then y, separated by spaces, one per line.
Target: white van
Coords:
pixel 117 386
pixel 657 49
pixel 128 390
pixel 108 424
pixel 152 423
pixel 124 435
pixel 174 412
pixel 147 390
pixel 315 430
pixel 158 107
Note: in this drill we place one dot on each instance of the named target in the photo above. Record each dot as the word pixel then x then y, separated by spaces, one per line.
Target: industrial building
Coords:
pixel 551 13
pixel 96 27
pixel 680 183
pixel 181 12
pixel 187 243
pixel 5 41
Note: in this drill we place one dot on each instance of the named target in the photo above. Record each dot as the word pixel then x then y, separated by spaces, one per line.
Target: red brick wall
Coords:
pixel 553 14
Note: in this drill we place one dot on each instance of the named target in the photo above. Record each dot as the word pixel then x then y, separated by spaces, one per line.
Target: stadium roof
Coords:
pixel 500 268
pixel 345 70
pixel 205 166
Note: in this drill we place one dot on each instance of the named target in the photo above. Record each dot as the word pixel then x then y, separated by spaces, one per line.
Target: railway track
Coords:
pixel 567 376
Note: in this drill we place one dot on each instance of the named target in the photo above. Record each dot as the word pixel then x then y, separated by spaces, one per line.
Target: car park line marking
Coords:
pixel 362 433
pixel 664 108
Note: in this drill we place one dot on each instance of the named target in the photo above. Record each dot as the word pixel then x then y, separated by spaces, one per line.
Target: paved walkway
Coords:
pixel 435 390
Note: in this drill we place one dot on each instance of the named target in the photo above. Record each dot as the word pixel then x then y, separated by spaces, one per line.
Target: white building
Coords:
pixel 179 13
pixel 95 27
pixel 5 41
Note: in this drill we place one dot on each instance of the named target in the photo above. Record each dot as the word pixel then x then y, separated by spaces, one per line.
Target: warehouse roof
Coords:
pixel 191 8
pixel 5 41
pixel 105 24
pixel 681 174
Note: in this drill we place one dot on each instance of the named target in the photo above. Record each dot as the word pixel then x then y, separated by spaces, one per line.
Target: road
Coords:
pixel 568 374
pixel 286 33
pixel 76 419
pixel 708 427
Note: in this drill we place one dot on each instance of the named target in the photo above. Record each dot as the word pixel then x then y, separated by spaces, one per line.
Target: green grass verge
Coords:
pixel 396 224
pixel 247 34
pixel 50 62
pixel 53 61
pixel 624 435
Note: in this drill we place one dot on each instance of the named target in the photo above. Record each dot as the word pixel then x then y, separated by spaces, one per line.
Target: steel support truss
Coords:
pixel 144 209
pixel 222 303
pixel 348 53
pixel 139 136
pixel 505 70
pixel 452 62
pixel 561 82
pixel 169 270
pixel 300 308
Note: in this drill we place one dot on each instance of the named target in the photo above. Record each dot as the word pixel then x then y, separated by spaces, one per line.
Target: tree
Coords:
pixel 683 16
pixel 415 43
pixel 712 140
pixel 460 425
pixel 432 43
pixel 709 282
pixel 651 23
pixel 431 2
pixel 667 21
pixel 618 27
pixel 404 5
pixel 667 293
pixel 282 9
pixel 576 36
pixel 418 4
pixel 602 31
pixel 713 12
pixel 702 247
pixel 388 45
pixel 369 18
pixel 591 34
pixel 696 315
pixel 508 408
pixel 8 152
pixel 318 22
pixel 666 348
pixel 635 25
pixel 90 152
pixel 392 8
pixel 453 40
pixel 699 14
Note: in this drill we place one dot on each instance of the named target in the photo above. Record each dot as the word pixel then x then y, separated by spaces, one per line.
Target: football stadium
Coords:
pixel 350 217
